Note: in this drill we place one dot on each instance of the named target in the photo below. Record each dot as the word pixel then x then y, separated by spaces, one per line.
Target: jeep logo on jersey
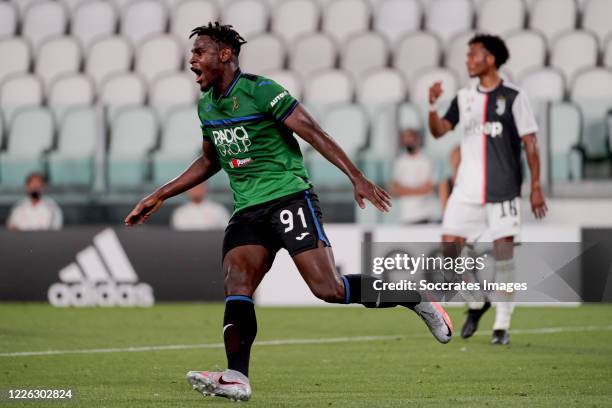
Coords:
pixel 492 129
pixel 278 98
pixel 232 141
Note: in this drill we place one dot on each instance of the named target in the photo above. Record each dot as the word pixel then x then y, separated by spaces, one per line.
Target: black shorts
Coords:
pixel 293 222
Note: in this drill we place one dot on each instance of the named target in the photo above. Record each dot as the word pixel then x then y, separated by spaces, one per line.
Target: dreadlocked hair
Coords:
pixel 221 33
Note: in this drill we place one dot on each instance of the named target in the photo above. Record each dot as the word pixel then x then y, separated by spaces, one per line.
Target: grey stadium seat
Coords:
pixel 133 135
pixel 364 52
pixel 415 52
pixel 248 17
pixel 171 91
pixel 545 84
pixel 158 55
pixel 592 91
pixel 455 56
pixel 383 85
pixel 92 20
pixel 8 19
pixel 396 18
pixel 72 163
pixel 19 91
pixel 447 18
pixel 263 53
pixel 57 56
pixel 191 14
pixel 70 91
pixel 329 86
pixel 288 80
pixel 573 52
pixel 312 52
pixel 527 52
pixel 294 18
pixel 343 18
pixel 19 62
pixel 500 16
pixel 552 17
pixel 121 91
pixel 565 127
pixel 43 20
pixel 30 135
pixel 141 19
pixel 596 18
pixel 106 57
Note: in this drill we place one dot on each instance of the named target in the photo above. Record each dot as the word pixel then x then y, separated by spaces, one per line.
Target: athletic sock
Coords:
pixel 360 289
pixel 239 331
pixel 504 272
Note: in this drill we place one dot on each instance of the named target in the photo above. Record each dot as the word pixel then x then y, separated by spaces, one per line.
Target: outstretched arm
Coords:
pixel 200 170
pixel 305 126
pixel 538 204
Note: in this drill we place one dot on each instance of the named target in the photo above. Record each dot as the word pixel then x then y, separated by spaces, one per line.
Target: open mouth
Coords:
pixel 199 76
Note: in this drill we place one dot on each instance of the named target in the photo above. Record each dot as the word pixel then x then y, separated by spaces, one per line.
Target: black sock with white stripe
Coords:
pixel 239 331
pixel 360 289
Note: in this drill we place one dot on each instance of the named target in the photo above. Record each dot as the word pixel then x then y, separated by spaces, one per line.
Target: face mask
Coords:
pixel 34 194
pixel 411 149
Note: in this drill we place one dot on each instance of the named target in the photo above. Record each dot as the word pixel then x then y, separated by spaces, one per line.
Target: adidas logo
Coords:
pixel 101 276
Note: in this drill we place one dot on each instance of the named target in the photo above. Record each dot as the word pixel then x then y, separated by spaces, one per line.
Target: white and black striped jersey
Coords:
pixel 491 124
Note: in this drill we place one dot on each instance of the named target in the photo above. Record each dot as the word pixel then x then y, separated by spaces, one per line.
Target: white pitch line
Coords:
pixel 286 342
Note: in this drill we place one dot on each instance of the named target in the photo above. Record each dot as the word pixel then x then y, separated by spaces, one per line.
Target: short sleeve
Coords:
pixel 274 100
pixel 523 115
pixel 452 114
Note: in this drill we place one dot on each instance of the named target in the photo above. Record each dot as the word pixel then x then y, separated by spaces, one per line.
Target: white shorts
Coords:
pixel 471 220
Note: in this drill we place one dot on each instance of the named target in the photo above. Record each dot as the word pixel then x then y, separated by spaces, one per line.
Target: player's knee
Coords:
pixel 329 293
pixel 237 282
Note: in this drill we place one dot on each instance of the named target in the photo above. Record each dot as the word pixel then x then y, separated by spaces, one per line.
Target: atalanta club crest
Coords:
pixel 500 106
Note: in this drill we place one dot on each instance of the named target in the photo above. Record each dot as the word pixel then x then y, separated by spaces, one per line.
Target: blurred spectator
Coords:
pixel 446 186
pixel 413 180
pixel 35 212
pixel 199 213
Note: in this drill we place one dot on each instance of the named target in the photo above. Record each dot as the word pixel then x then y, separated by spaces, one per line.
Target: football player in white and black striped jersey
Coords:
pixel 495 119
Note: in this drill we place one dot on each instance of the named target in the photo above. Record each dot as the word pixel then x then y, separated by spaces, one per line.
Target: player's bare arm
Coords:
pixel 306 127
pixel 200 170
pixel 437 125
pixel 538 203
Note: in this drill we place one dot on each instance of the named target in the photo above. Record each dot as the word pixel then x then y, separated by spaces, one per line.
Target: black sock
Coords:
pixel 239 331
pixel 360 289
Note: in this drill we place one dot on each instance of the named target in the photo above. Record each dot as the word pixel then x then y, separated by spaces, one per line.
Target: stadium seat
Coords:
pixel 592 92
pixel 133 136
pixel 22 6
pixel 142 19
pixel 500 16
pixel 415 52
pixel 19 62
pixel 565 158
pixel 527 52
pixel 448 18
pixel 344 18
pixel 191 14
pixel 607 53
pixel 552 17
pixel 248 17
pixel 57 56
pixel 348 125
pixel 106 57
pixel 396 18
pixel 455 56
pixel 263 53
pixel 544 84
pixel 362 53
pixel 293 18
pixel 383 85
pixel 158 55
pixel 121 91
pixel 312 52
pixel 596 18
pixel 329 86
pixel 574 51
pixel 426 78
pixel 8 19
pixel 288 80
pixel 180 144
pixel 93 20
pixel 19 91
pixel 72 163
pixel 30 135
pixel 121 4
pixel 43 20
pixel 172 90
pixel 70 91
pixel 72 5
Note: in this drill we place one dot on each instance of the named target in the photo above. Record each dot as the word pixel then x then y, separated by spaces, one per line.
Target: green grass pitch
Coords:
pixel 568 365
